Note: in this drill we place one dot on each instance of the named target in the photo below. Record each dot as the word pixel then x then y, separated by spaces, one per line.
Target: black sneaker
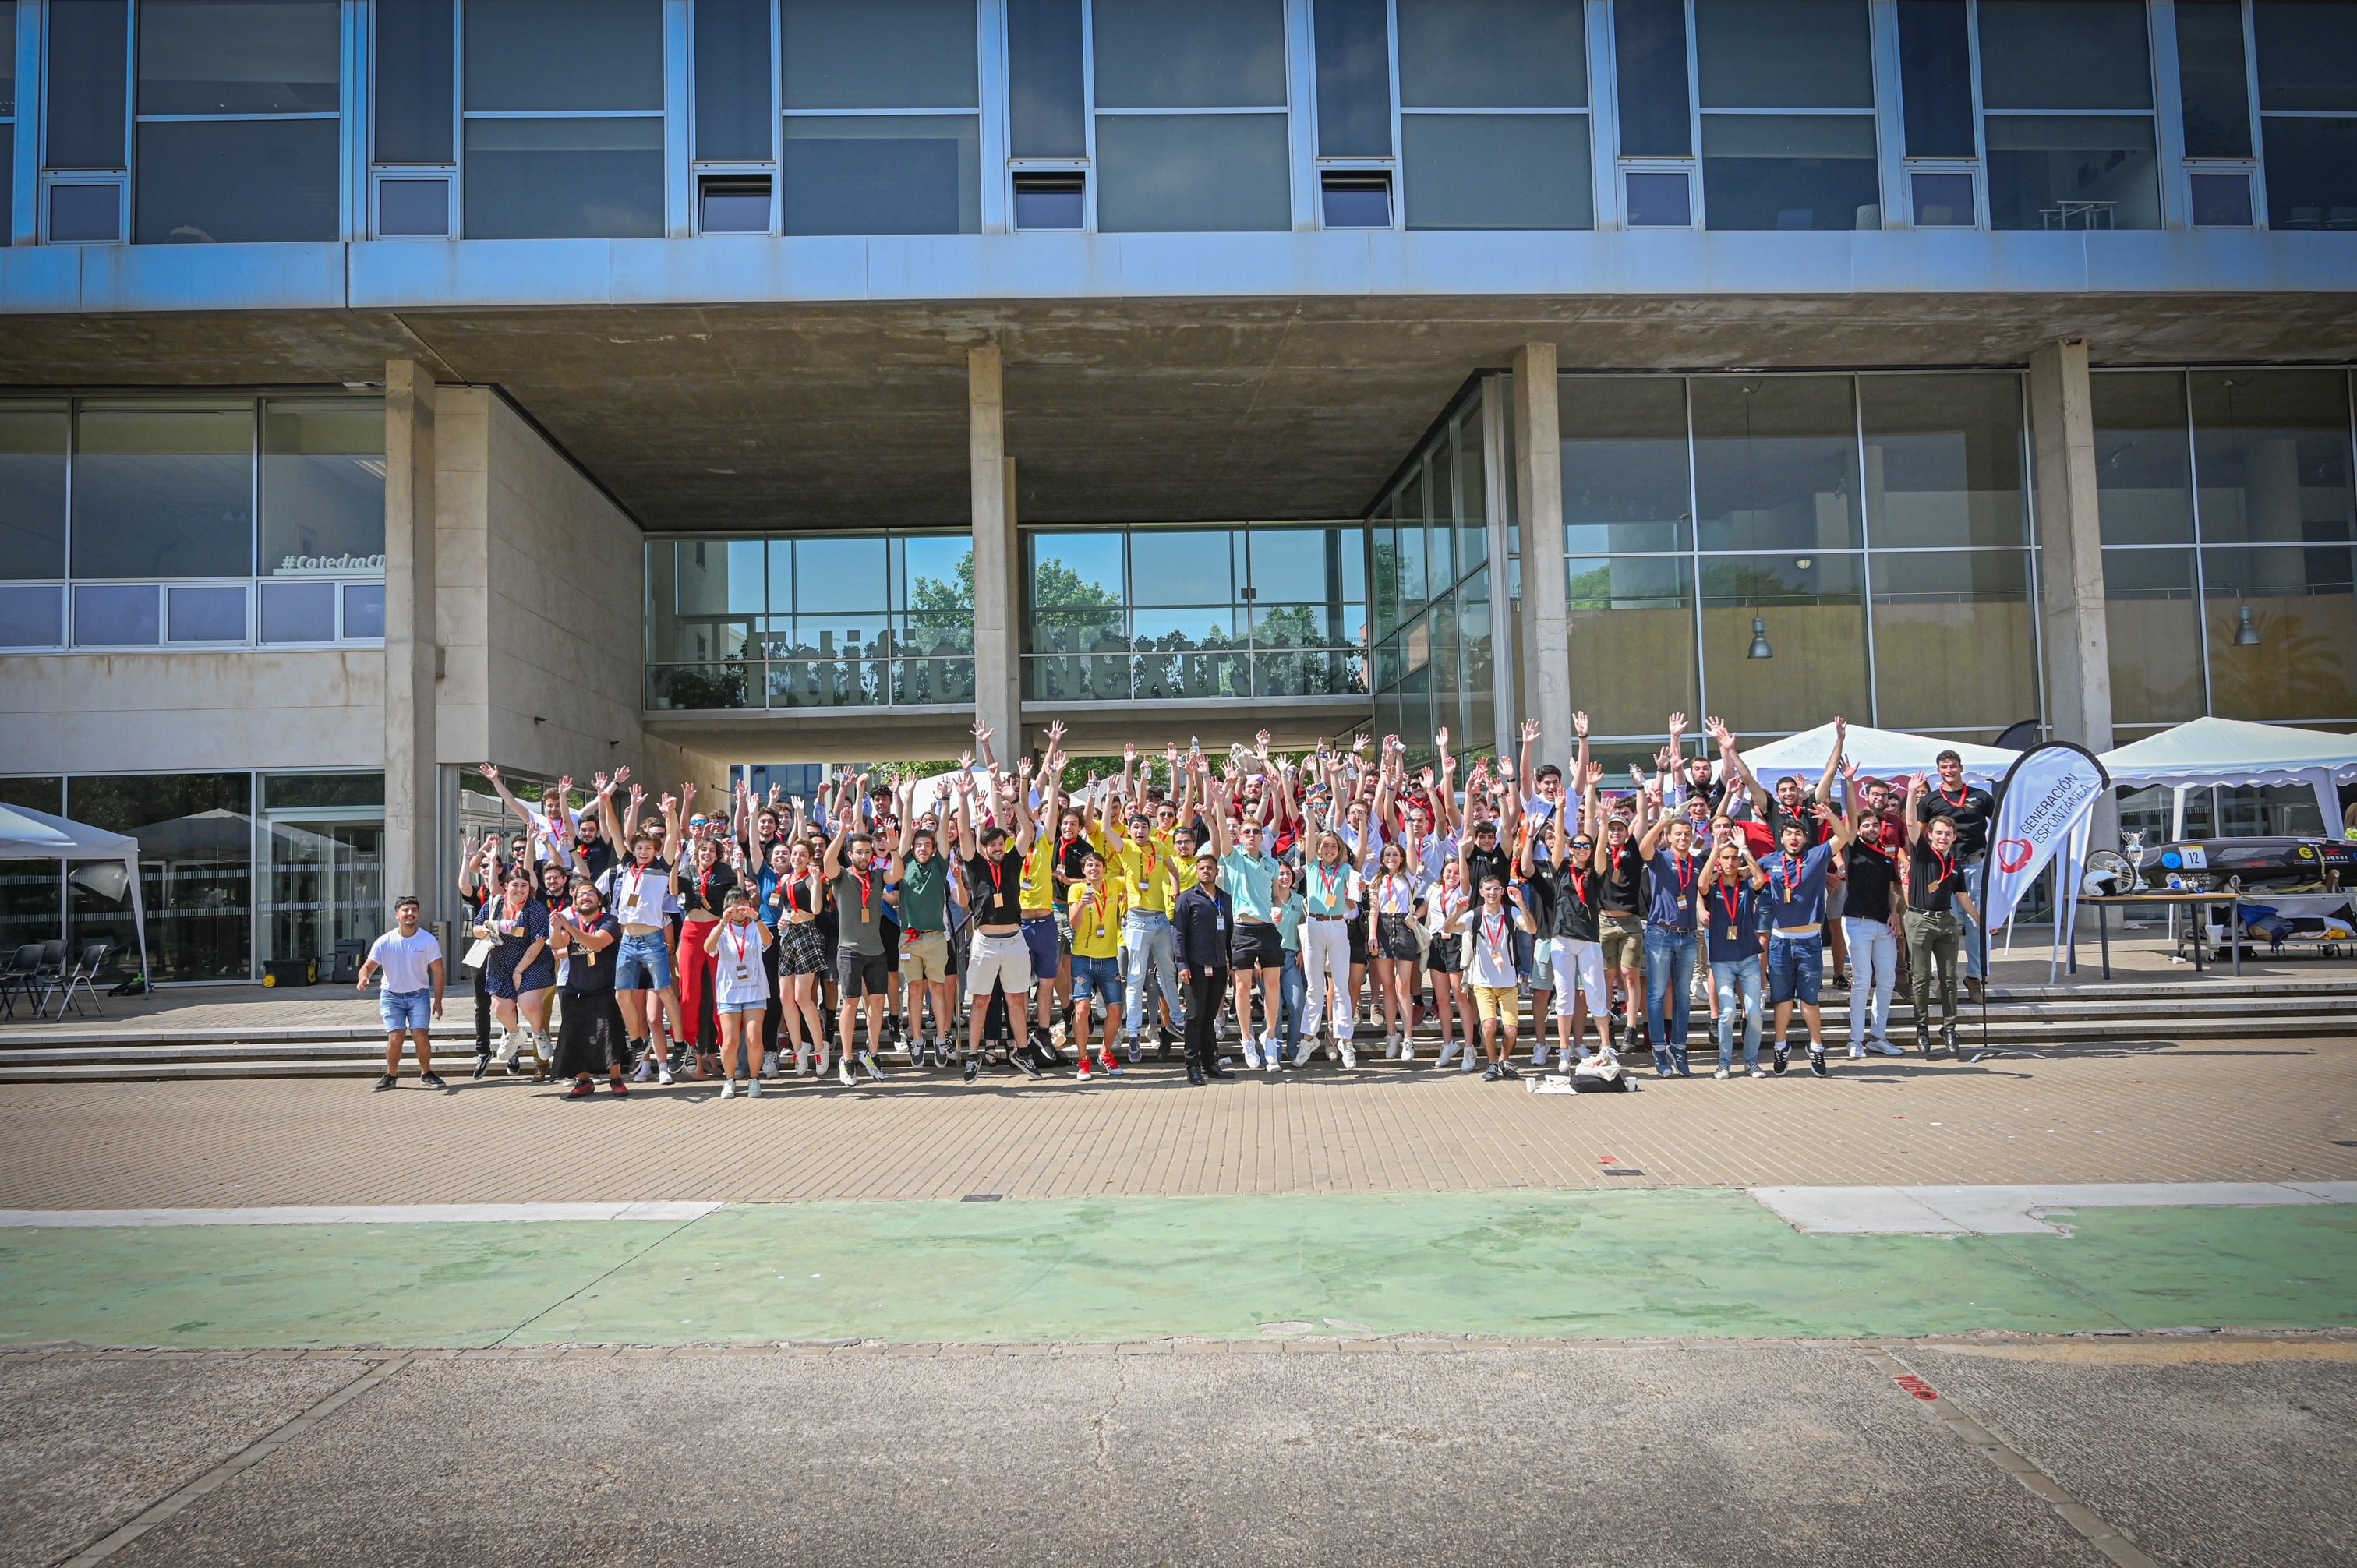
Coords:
pixel 1022 1058
pixel 387 1081
pixel 1782 1056
pixel 431 1080
pixel 482 1063
pixel 1491 1074
pixel 973 1066
pixel 1506 1069
pixel 1816 1060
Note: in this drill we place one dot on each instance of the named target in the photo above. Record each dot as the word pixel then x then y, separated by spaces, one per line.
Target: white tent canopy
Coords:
pixel 1879 753
pixel 27 834
pixel 2236 753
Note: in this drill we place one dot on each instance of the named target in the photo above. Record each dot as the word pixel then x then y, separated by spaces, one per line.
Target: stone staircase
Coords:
pixel 2046 1018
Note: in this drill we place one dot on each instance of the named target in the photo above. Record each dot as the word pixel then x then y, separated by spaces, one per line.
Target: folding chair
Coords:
pixel 48 973
pixel 80 977
pixel 17 979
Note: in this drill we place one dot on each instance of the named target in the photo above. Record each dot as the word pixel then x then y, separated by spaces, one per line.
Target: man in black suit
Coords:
pixel 1203 918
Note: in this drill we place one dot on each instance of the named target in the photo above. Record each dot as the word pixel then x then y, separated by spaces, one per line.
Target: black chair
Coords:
pixel 17 979
pixel 82 977
pixel 48 973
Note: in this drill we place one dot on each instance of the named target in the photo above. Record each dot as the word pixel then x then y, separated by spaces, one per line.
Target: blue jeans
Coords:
pixel 1738 981
pixel 406 1010
pixel 1669 993
pixel 1796 969
pixel 1150 944
pixel 1292 991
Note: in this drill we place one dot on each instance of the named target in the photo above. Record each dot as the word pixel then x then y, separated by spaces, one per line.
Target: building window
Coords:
pixel 9 116
pixel 564 119
pixel 2228 519
pixel 160 545
pixel 882 122
pixel 2067 122
pixel 1493 128
pixel 416 108
pixel 1192 128
pixel 1787 104
pixel 1184 614
pixel 195 871
pixel 227 151
pixel 2307 112
pixel 1058 201
pixel 812 621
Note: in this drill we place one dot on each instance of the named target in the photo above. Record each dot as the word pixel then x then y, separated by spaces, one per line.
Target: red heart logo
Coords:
pixel 2012 854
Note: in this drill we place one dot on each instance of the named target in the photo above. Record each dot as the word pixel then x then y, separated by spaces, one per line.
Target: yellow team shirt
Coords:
pixel 1039 879
pixel 1096 918
pixel 1147 872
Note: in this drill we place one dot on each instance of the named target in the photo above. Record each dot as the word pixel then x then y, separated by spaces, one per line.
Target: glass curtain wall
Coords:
pixel 1161 615
pixel 236 127
pixel 2230 545
pixel 2067 114
pixel 1786 92
pixel 145 523
pixel 810 621
pixel 1435 648
pixel 1778 550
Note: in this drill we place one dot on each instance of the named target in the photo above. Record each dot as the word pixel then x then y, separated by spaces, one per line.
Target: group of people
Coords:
pixel 993 914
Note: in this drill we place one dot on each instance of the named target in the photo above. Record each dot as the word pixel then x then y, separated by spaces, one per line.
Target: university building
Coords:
pixel 390 385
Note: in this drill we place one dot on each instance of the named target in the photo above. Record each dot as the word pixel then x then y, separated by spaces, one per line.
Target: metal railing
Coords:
pixel 1195 674
pixel 844 682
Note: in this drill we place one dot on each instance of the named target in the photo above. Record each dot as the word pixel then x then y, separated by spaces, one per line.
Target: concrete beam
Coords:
pixel 997 591
pixel 2071 573
pixel 1545 626
pixel 412 855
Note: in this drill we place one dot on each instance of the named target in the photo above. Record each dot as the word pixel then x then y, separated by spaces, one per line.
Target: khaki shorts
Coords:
pixel 1493 1002
pixel 1624 941
pixel 925 957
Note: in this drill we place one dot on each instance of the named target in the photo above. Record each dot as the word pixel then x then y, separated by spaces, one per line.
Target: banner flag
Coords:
pixel 2047 793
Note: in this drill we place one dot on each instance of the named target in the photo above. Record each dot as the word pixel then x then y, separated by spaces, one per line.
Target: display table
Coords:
pixel 2290 903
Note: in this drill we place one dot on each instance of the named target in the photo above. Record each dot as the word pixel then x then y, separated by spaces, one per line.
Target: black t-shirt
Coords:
pixel 1571 897
pixel 1932 883
pixel 587 971
pixel 701 893
pixel 1970 809
pixel 596 854
pixel 1871 877
pixel 1069 867
pixel 996 901
pixel 1624 872
pixel 1481 864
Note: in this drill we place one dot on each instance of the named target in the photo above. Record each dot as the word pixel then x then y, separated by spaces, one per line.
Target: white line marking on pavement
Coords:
pixel 2016 1210
pixel 353 1214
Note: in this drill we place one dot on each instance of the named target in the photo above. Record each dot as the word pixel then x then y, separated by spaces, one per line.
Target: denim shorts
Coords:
pixel 405 1009
pixel 645 963
pixel 1795 969
pixel 1098 978
pixel 1041 939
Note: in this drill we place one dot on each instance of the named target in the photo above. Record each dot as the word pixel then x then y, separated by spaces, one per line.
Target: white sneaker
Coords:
pixel 1857 1053
pixel 768 1065
pixel 1722 1073
pixel 1757 1071
pixel 753 1089
pixel 843 1066
pixel 1301 1053
pixel 868 1060
pixel 662 1071
pixel 1885 1046
pixel 1350 1056
pixel 727 1088
pixel 1470 1063
pixel 821 1063
pixel 644 1072
pixel 1448 1053
pixel 1272 1055
pixel 1251 1053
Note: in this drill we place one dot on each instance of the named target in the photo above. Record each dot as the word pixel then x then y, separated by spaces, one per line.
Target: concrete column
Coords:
pixel 2071 569
pixel 998 592
pixel 1546 650
pixel 412 853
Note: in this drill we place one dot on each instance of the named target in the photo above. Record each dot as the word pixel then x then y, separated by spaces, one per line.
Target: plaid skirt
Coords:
pixel 801 949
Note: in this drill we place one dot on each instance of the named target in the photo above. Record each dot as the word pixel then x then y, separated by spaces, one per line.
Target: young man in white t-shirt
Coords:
pixel 411 960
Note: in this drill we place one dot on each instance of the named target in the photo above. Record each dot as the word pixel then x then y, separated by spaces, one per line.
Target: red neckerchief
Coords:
pixel 1578 882
pixel 704 886
pixel 512 913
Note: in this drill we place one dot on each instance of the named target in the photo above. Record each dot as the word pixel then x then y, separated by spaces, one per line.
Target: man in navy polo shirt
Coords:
pixel 1796 916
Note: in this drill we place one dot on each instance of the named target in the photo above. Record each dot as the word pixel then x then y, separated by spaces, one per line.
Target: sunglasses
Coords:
pixel 1583 843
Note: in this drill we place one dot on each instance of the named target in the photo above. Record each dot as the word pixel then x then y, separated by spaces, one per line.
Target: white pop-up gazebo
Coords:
pixel 1879 753
pixel 27 834
pixel 2234 753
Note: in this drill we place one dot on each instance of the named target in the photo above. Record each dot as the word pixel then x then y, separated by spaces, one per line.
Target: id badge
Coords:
pixel 743 973
pixel 1220 924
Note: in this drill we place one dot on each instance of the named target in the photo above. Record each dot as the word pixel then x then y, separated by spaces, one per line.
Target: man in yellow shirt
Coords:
pixel 1050 968
pixel 1147 863
pixel 1099 905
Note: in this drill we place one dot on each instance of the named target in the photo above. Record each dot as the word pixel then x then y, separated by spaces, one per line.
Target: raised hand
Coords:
pixel 1677 723
pixel 603 785
pixel 490 770
pixel 1440 738
pixel 1531 731
pixel 564 787
pixel 1129 751
pixel 965 766
pixel 1579 725
pixel 668 804
pixel 687 795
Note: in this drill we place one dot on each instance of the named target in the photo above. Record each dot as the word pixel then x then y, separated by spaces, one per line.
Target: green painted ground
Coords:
pixel 1609 1264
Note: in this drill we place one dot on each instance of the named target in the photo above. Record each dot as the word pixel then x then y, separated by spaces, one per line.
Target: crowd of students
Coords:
pixel 1310 905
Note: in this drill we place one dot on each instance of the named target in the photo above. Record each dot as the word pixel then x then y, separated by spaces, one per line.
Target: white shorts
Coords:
pixel 1579 967
pixel 998 961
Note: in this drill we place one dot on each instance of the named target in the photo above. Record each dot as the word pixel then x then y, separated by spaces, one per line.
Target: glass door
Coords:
pixel 324 884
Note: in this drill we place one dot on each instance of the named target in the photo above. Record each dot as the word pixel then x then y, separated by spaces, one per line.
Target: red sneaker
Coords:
pixel 1084 1069
pixel 1106 1065
pixel 582 1089
pixel 622 1090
